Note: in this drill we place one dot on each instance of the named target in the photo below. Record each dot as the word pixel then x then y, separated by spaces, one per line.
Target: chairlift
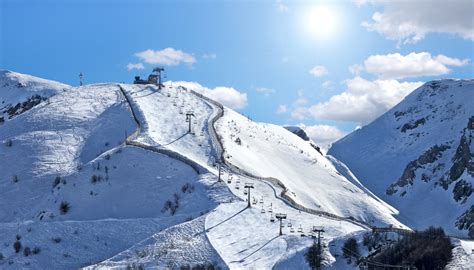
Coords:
pixel 261 200
pixel 292 230
pixel 245 192
pixel 272 218
pixel 300 229
pixel 237 186
pixel 254 201
pixel 262 211
pixel 270 210
pixel 289 224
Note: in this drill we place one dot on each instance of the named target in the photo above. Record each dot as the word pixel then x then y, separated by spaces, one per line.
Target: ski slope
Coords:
pixel 310 179
pixel 156 131
pixel 125 158
pixel 72 148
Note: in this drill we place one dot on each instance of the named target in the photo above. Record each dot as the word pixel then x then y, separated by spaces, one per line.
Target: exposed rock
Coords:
pixel 22 107
pixel 466 220
pixel 414 125
pixel 408 175
pixel 298 131
pixel 317 148
pixel 470 125
pixel 460 160
pixel 462 190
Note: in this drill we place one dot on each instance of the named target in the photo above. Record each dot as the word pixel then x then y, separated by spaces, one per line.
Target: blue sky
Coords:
pixel 264 50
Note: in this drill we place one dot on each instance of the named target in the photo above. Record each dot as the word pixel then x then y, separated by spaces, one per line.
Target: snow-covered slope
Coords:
pixel 71 187
pixel 20 92
pixel 108 176
pixel 310 179
pixel 419 156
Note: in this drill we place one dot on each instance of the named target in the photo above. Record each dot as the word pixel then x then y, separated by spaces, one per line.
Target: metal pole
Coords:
pixel 189 129
pixel 280 226
pixel 248 199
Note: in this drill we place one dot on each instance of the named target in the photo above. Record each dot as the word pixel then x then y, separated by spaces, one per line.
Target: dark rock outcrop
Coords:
pixel 24 106
pixel 408 175
pixel 466 221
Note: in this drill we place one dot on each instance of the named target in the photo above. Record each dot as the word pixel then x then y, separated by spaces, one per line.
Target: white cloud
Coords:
pixel 300 113
pixel 131 66
pixel 265 91
pixel 282 109
pixel 327 85
pixel 281 6
pixel 318 71
pixel 168 56
pixel 323 135
pixel 209 56
pixel 356 69
pixel 300 101
pixel 228 96
pixel 451 61
pixel 363 100
pixel 410 21
pixel 396 66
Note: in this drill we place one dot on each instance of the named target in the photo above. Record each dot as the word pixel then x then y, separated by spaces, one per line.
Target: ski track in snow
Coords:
pixel 74 134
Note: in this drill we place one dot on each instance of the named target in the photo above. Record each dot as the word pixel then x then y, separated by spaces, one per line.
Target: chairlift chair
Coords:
pixel 261 200
pixel 270 210
pixel 272 218
pixel 237 186
pixel 292 230
pixel 245 192
pixel 300 229
pixel 289 224
pixel 262 211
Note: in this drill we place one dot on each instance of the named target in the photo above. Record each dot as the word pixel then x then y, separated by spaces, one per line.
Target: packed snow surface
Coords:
pixel 267 150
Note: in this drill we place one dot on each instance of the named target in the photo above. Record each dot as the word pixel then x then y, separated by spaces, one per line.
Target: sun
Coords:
pixel 321 22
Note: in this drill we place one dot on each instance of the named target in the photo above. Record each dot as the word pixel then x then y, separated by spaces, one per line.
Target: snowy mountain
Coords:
pixel 110 176
pixel 419 156
pixel 298 131
pixel 20 92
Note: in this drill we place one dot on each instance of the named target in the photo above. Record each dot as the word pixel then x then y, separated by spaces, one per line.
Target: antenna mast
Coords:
pixel 80 78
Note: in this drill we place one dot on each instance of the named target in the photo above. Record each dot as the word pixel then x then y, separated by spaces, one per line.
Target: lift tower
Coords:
pixel 319 231
pixel 158 71
pixel 189 115
pixel 248 186
pixel 280 217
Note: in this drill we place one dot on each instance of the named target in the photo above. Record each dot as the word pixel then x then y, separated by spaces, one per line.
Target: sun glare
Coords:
pixel 321 22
